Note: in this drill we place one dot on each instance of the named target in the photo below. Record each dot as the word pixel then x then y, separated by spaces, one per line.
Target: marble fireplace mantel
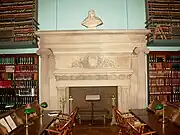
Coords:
pixel 93 58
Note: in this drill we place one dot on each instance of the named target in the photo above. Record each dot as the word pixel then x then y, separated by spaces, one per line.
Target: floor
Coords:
pixel 98 128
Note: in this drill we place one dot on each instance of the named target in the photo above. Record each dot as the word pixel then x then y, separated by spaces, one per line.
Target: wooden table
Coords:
pixel 151 120
pixel 38 126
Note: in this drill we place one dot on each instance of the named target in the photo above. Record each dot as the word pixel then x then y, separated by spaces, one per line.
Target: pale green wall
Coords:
pixel 17 51
pixel 164 48
pixel 68 14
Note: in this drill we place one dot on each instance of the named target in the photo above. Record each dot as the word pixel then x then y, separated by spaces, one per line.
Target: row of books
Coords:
pixel 160 82
pixel 164 74
pixel 21 100
pixel 164 82
pixel 25 84
pixel 19 68
pixel 165 66
pixel 16 15
pixel 165 89
pixel 18 76
pixel 160 74
pixel 167 97
pixel 18 84
pixel 155 58
pixel 163 9
pixel 16 2
pixel 18 60
pixel 163 19
pixel 19 92
pixel 16 7
pixel 18 21
pixel 26 76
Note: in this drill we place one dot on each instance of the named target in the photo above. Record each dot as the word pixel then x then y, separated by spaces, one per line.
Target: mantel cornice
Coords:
pixel 92 32
pixel 58 39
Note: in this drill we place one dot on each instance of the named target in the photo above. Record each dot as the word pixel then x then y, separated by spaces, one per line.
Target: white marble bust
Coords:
pixel 92 21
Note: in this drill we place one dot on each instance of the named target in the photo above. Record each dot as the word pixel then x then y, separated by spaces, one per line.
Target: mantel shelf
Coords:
pixel 93 75
pixel 93 71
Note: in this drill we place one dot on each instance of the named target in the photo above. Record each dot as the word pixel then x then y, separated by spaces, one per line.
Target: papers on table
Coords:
pixel 93 97
pixel 4 123
pixel 8 123
pixel 54 113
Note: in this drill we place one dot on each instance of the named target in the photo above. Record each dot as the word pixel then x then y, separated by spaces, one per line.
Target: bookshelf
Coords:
pixel 164 76
pixel 163 20
pixel 18 23
pixel 18 80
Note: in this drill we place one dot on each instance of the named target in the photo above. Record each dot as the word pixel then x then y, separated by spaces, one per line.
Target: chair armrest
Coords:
pixel 64 114
pixel 122 125
pixel 127 115
pixel 149 133
pixel 63 117
pixel 52 131
pixel 140 125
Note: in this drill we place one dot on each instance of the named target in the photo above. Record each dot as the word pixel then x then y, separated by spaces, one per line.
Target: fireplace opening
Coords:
pixel 102 108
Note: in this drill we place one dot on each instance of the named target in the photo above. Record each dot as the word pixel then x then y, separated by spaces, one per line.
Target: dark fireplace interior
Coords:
pixel 104 106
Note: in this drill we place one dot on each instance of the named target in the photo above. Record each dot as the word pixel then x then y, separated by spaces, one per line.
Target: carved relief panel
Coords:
pixel 93 61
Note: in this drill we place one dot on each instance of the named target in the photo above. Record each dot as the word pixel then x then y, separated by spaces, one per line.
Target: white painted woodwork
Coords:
pixel 93 58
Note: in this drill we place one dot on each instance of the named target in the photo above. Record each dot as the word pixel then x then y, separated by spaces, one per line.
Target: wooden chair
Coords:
pixel 125 121
pixel 139 130
pixel 64 130
pixel 125 114
pixel 121 122
pixel 64 118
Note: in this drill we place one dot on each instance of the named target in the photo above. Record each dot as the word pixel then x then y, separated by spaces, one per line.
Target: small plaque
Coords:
pixel 93 97
pixel 10 69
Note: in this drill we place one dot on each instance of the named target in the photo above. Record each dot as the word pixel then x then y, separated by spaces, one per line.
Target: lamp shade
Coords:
pixel 159 107
pixel 44 105
pixel 28 109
